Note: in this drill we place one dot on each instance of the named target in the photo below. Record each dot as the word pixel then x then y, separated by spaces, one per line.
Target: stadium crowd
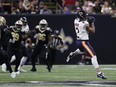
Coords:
pixel 60 6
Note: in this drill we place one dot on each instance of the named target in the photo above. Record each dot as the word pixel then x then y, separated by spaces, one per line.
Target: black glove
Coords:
pixel 91 19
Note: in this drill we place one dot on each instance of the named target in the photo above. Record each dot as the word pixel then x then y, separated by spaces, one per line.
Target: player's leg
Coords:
pixel 53 54
pixel 76 52
pixel 72 54
pixel 5 59
pixel 13 59
pixel 18 54
pixel 10 54
pixel 35 53
pixel 23 59
pixel 93 56
pixel 44 51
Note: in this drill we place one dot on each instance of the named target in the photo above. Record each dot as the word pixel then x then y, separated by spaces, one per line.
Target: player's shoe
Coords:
pixel 22 70
pixel 49 68
pixel 18 72
pixel 13 75
pixel 69 57
pixel 101 75
pixel 33 69
pixel 4 67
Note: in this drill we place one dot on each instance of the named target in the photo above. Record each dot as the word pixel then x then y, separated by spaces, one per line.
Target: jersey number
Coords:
pixel 77 29
pixel 15 36
pixel 41 37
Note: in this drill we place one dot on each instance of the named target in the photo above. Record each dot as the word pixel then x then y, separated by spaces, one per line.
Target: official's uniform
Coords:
pixel 52 48
pixel 83 37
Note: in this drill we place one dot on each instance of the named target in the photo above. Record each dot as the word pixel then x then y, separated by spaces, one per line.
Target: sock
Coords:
pixel 22 62
pixel 94 62
pixel 13 58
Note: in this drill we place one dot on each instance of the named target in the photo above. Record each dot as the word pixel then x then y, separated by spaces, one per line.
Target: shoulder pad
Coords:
pixel 49 29
pixel 37 26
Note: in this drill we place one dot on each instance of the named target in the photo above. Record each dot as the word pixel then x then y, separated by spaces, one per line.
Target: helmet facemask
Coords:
pixel 43 24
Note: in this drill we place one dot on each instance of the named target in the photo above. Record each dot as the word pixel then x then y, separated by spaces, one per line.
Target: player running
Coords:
pixel 82 29
pixel 42 37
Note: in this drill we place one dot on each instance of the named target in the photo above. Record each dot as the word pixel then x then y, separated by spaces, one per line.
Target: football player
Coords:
pixel 24 33
pixel 14 45
pixel 82 29
pixel 3 54
pixel 42 37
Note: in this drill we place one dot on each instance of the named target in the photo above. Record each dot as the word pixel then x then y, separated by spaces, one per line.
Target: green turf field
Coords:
pixel 61 76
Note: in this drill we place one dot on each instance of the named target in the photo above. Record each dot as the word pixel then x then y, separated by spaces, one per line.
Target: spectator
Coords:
pixel 77 7
pixel 68 3
pixel 66 10
pixel 27 6
pixel 7 4
pixel 90 6
pixel 1 8
pixel 85 6
pixel 97 7
pixel 14 10
pixel 106 8
pixel 45 10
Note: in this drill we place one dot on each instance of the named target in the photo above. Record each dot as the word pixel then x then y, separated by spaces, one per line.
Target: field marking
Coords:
pixel 108 68
pixel 75 83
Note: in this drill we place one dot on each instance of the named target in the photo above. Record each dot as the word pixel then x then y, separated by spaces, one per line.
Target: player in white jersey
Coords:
pixel 83 27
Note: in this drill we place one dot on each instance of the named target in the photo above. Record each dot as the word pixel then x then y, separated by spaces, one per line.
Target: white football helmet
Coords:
pixel 2 21
pixel 43 24
pixel 18 24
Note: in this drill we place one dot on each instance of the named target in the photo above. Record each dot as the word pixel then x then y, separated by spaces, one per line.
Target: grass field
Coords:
pixel 61 76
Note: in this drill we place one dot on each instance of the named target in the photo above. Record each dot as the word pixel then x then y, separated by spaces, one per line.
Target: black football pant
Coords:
pixel 17 52
pixel 37 51
pixel 51 56
pixel 5 59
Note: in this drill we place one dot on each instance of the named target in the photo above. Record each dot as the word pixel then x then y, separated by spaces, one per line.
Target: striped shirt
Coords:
pixel 56 41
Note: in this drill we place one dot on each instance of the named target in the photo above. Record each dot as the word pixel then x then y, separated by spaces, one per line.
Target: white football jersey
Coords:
pixel 25 28
pixel 80 28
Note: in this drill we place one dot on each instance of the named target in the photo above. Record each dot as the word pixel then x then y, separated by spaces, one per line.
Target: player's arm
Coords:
pixel 91 29
pixel 62 44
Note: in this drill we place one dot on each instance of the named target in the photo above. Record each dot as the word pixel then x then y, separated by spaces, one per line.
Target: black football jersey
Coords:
pixel 3 39
pixel 43 36
pixel 15 37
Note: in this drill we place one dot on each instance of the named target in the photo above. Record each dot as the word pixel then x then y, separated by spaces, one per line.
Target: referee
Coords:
pixel 56 44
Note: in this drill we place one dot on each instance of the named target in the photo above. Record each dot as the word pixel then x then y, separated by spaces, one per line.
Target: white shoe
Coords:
pixel 13 75
pixel 69 57
pixel 22 70
pixel 17 73
pixel 4 67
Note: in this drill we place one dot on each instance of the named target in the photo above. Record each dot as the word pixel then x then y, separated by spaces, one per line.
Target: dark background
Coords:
pixel 103 41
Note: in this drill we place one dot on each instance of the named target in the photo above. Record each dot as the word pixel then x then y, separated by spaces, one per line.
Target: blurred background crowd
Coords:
pixel 57 6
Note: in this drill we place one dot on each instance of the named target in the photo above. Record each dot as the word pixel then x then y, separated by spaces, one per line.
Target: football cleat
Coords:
pixel 33 69
pixel 22 70
pixel 101 75
pixel 69 57
pixel 18 72
pixel 13 75
pixel 49 68
pixel 4 67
